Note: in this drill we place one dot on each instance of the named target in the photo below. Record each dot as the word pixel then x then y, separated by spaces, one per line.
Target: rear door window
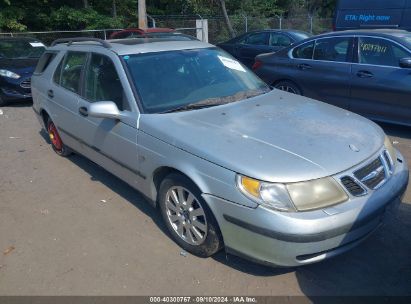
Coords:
pixel 333 49
pixel 279 40
pixel 257 39
pixel 71 71
pixel 304 51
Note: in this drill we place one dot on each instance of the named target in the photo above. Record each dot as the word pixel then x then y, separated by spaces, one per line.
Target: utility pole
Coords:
pixel 142 14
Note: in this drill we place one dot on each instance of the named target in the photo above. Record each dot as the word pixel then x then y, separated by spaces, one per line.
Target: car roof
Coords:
pixel 149 30
pixel 134 45
pixel 371 32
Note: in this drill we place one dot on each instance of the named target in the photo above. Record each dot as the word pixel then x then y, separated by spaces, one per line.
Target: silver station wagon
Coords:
pixel 274 177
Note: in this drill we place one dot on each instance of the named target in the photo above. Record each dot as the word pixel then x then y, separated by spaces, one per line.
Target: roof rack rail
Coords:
pixel 69 41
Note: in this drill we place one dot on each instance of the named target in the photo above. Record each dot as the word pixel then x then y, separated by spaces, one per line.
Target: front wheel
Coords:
pixel 187 216
pixel 288 86
pixel 58 146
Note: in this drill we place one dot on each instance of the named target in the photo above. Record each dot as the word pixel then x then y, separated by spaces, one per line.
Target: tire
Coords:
pixel 288 86
pixel 2 102
pixel 57 144
pixel 192 225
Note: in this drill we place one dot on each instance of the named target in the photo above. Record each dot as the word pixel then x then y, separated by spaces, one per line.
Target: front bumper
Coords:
pixel 299 238
pixel 15 89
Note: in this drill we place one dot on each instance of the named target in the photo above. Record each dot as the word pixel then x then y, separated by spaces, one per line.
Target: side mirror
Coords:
pixel 405 63
pixel 104 109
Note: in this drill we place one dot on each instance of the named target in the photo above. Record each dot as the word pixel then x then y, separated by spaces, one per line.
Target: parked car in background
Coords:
pixel 245 47
pixel 268 175
pixel 365 71
pixel 18 59
pixel 372 14
pixel 137 32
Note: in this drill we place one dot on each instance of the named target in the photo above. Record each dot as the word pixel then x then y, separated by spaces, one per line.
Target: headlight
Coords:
pixel 9 74
pixel 391 151
pixel 300 196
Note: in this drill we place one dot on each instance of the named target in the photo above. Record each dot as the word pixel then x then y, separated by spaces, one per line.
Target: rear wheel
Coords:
pixel 187 216
pixel 288 86
pixel 56 142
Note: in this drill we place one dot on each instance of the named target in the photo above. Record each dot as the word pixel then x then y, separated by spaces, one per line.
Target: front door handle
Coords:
pixel 304 66
pixel 365 74
pixel 83 111
pixel 50 93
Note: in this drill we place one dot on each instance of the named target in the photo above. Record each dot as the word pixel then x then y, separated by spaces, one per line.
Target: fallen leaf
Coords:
pixel 8 250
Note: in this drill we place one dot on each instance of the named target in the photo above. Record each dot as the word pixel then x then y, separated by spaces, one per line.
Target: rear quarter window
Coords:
pixel 44 62
pixel 304 51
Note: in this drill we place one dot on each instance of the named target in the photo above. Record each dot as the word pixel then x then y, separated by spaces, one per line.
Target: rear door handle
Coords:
pixel 83 111
pixel 365 74
pixel 50 93
pixel 304 66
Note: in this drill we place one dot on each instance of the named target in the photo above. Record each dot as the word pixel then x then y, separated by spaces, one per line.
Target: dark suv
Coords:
pixel 18 59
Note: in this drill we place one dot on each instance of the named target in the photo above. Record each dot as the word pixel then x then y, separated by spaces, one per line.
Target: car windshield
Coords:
pixel 171 80
pixel 20 49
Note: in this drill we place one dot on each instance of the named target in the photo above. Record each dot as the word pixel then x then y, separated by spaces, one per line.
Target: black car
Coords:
pixel 365 71
pixel 18 59
pixel 245 47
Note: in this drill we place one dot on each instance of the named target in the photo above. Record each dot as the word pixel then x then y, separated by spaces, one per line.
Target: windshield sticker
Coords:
pixel 126 57
pixel 231 64
pixel 37 44
pixel 373 48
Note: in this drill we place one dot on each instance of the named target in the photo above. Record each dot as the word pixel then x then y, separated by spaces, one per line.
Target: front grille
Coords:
pixel 25 84
pixel 372 175
pixel 388 161
pixel 352 186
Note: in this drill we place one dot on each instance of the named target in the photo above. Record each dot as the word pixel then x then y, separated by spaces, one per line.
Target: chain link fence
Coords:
pixel 218 32
pixel 217 29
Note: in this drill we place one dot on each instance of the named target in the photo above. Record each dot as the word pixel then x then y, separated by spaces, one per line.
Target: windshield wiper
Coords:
pixel 206 103
pixel 211 102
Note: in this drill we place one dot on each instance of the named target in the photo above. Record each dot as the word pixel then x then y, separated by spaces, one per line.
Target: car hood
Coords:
pixel 21 66
pixel 276 137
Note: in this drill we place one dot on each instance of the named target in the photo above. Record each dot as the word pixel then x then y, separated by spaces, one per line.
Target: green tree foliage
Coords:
pixel 40 15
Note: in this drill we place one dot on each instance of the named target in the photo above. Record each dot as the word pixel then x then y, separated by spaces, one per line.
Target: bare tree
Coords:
pixel 85 3
pixel 226 19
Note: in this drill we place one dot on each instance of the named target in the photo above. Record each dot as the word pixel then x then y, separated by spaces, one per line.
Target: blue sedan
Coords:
pixel 18 59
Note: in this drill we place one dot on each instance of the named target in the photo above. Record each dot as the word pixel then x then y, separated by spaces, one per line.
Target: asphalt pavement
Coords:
pixel 68 227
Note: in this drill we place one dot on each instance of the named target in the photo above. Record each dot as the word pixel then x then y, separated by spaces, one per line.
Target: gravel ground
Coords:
pixel 67 227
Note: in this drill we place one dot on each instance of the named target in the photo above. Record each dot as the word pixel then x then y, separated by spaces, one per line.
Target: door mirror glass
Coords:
pixel 104 109
pixel 405 63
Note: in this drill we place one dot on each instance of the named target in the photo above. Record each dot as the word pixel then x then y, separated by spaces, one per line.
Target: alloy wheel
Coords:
pixel 186 215
pixel 287 89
